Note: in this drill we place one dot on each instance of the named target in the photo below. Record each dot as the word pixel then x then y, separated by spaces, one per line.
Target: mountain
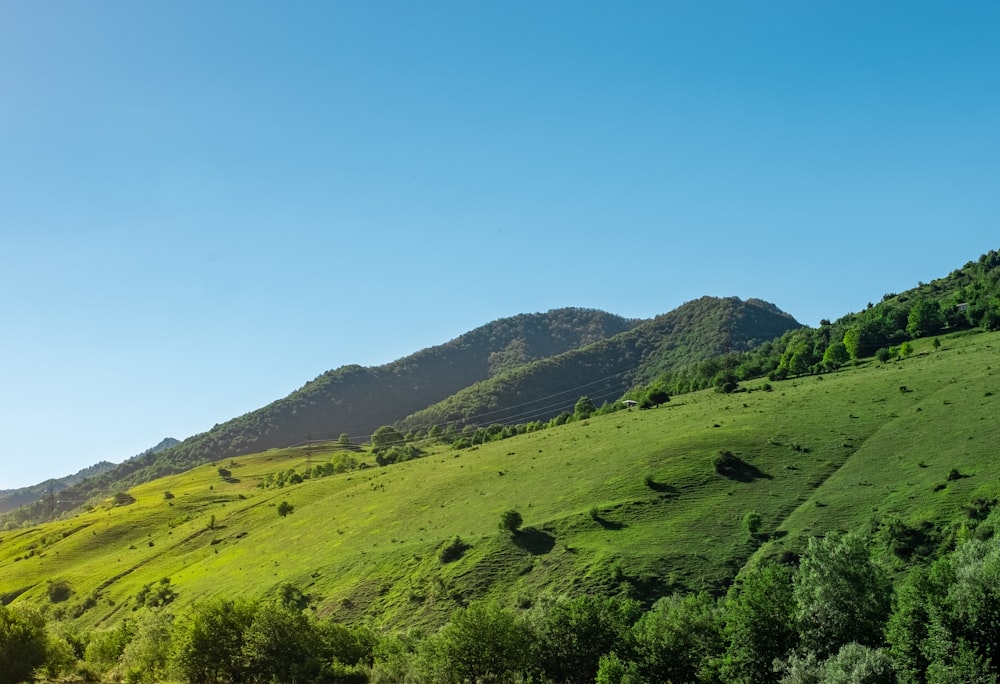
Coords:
pixel 632 503
pixel 525 353
pixel 603 371
pixel 356 400
pixel 15 498
pixel 44 493
pixel 163 445
pixel 494 368
pixel 894 442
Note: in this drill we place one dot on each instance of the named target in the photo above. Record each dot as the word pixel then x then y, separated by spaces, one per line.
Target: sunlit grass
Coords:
pixel 625 503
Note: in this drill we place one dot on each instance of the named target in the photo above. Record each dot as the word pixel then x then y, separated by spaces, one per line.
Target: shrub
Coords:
pixel 752 522
pixel 59 591
pixel 156 595
pixel 482 643
pixel 22 644
pixel 511 520
pixel 453 550
pixel 106 647
pixel 726 383
pixel 123 499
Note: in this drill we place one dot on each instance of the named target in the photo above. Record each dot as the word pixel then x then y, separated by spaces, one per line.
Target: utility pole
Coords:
pixel 52 499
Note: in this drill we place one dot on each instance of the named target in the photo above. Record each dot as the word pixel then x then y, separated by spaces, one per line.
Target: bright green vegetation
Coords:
pixel 689 529
pixel 626 504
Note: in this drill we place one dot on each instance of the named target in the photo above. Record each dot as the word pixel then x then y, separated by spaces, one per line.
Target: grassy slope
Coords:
pixel 830 452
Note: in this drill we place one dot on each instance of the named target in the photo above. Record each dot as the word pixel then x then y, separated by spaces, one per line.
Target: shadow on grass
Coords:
pixel 534 541
pixel 609 524
pixel 766 536
pixel 737 469
pixel 661 487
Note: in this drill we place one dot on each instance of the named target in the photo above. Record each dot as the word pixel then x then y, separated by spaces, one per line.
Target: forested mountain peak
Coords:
pixel 355 400
pixel 604 370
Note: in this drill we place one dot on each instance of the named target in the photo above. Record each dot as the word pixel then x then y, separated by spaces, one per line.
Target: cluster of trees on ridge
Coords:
pixel 863 608
pixel 968 298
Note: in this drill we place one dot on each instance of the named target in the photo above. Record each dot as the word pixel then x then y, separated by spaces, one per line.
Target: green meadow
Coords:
pixel 626 504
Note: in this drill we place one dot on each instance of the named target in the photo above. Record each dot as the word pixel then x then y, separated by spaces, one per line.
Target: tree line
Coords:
pixel 968 298
pixel 848 609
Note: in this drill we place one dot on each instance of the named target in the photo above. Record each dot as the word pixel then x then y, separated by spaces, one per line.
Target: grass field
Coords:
pixel 627 503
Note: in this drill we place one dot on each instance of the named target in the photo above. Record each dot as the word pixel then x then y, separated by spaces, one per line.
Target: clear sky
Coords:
pixel 203 205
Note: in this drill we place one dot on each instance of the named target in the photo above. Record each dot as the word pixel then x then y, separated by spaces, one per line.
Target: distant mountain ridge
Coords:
pixel 15 498
pixel 494 367
pixel 604 370
pixel 356 400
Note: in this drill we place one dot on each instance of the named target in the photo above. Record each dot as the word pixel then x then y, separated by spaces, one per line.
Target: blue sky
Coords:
pixel 205 205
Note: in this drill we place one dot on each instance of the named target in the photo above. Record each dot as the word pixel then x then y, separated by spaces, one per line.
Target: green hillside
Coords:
pixel 356 400
pixel 527 367
pixel 693 332
pixel 11 499
pixel 628 503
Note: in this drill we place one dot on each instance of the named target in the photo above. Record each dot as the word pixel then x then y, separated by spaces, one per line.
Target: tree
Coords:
pixel 344 440
pixel 22 643
pixel 907 629
pixel 857 664
pixel 836 355
pixel 584 408
pixel 280 645
pixel 613 670
pixel 752 522
pixel 798 356
pixel 146 657
pixel 210 641
pixel 105 647
pixel 760 623
pixel 511 520
pixel 654 396
pixel 386 436
pixel 285 508
pixel 841 594
pixel 925 318
pixel 678 639
pixel 574 634
pixel 970 612
pixel 726 382
pixel 863 339
pixel 483 642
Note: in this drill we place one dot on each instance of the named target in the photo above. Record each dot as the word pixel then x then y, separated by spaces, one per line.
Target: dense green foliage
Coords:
pixel 967 298
pixel 834 616
pixel 22 644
